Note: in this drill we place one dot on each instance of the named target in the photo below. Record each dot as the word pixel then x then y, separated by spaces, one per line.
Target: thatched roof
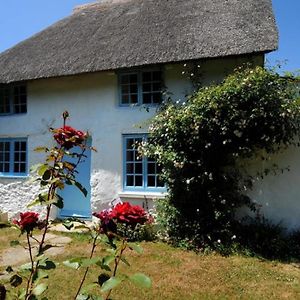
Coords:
pixel 115 34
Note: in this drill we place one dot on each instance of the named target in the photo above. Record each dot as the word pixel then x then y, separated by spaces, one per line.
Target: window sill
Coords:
pixel 13 115
pixel 14 176
pixel 139 195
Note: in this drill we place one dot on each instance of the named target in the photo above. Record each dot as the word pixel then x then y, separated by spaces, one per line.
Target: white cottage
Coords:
pixel 107 64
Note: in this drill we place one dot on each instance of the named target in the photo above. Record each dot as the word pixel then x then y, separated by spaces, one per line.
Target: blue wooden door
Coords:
pixel 75 203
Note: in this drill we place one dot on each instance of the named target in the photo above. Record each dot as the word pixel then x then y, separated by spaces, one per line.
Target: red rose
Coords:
pixel 129 214
pixel 107 223
pixel 69 137
pixel 28 221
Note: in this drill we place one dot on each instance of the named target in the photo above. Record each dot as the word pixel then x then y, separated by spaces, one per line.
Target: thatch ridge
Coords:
pixel 131 33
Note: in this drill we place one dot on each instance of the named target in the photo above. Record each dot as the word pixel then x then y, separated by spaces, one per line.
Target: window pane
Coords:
pixel 147 87
pixel 134 89
pixel 16 168
pixel 130 168
pixel 138 180
pixel 23 146
pixel 130 180
pixel 6 168
pixel 151 181
pixel 125 89
pixel 133 78
pixel 23 167
pixel 157 76
pixel 138 168
pixel 147 76
pixel 124 79
pixel 157 87
pixel 133 99
pixel 125 99
pixel 151 168
pixel 147 98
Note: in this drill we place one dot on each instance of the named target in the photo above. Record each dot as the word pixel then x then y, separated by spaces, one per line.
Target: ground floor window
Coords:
pixel 140 173
pixel 13 157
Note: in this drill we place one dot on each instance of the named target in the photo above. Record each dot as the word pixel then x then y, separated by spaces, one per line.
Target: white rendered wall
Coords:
pixel 92 101
pixel 278 194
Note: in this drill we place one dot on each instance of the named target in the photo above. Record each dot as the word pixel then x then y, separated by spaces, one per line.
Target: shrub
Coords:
pixel 202 143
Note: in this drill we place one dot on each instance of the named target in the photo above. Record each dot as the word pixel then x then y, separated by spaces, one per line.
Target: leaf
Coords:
pixel 140 280
pixel 137 248
pixel 40 200
pixel 26 267
pixel 58 201
pixel 15 280
pixel 14 243
pixel 42 169
pixel 47 175
pixel 81 188
pixel 9 269
pixel 41 149
pixel 102 278
pixel 90 261
pixel 40 289
pixel 68 224
pixel 40 274
pixel 110 284
pixel 124 260
pixel 47 264
pixel 21 294
pixel 35 167
pixel 82 297
pixel 104 264
pixel 74 263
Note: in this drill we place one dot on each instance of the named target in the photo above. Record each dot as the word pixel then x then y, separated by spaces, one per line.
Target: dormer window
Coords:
pixel 141 87
pixel 13 99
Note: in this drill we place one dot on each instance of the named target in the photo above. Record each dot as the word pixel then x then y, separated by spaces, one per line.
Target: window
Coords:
pixel 13 99
pixel 143 87
pixel 13 157
pixel 140 173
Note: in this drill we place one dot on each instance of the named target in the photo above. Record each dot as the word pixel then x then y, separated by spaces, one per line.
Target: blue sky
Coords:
pixel 20 19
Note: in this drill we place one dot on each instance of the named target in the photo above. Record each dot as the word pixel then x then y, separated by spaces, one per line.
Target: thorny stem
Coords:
pixel 117 262
pixel 29 282
pixel 87 269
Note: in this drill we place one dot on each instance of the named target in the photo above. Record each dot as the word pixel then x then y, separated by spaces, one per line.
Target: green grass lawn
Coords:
pixel 178 274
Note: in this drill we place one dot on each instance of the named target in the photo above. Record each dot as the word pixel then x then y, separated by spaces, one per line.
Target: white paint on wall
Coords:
pixel 92 101
pixel 278 195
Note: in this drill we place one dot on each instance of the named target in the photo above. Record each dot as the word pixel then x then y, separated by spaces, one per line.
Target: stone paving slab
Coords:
pixel 18 255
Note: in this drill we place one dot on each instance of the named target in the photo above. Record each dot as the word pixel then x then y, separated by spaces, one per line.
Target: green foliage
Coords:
pixel 202 144
pixel 141 232
pixel 110 277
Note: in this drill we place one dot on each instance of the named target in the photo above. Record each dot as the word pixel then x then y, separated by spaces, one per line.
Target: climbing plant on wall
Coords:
pixel 201 143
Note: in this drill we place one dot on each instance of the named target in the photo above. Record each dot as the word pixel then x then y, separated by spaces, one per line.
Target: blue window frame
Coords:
pixel 13 99
pixel 141 87
pixel 140 173
pixel 13 157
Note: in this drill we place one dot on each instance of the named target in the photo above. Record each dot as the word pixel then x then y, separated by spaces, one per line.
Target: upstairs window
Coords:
pixel 13 99
pixel 142 87
pixel 140 173
pixel 13 157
